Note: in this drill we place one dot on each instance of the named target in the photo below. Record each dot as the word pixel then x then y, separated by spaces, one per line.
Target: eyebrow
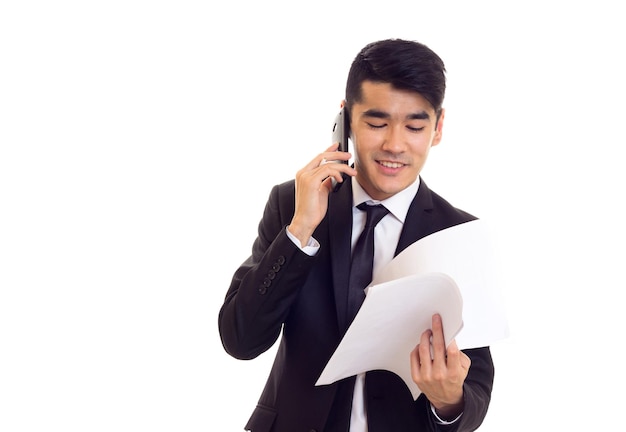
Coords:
pixel 374 113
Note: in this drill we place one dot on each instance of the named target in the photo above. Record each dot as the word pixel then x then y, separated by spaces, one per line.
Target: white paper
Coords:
pixel 378 339
pixel 465 253
pixel 451 272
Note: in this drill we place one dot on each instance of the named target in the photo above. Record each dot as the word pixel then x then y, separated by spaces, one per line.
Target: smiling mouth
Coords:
pixel 388 164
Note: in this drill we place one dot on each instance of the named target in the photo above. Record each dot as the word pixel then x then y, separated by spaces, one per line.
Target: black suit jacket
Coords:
pixel 280 288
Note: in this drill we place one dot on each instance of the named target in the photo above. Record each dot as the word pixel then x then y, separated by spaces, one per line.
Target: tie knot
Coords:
pixel 374 213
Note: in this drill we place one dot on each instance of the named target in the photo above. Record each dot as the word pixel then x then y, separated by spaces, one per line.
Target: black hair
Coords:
pixel 406 65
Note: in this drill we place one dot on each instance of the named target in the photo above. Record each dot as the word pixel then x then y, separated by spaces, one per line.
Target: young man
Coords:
pixel 295 283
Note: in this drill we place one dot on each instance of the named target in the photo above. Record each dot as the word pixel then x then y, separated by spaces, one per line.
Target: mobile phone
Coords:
pixel 340 134
pixel 340 131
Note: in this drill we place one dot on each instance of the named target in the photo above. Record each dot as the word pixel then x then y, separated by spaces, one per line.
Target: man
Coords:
pixel 295 283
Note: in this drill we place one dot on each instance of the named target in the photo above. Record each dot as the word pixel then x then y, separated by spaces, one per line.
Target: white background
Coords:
pixel 139 141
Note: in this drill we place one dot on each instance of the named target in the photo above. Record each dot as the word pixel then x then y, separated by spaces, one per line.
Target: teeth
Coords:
pixel 391 164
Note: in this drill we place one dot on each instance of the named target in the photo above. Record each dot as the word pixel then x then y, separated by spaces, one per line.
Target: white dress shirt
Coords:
pixel 386 237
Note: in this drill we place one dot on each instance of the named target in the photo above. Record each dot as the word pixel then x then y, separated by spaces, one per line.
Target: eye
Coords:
pixel 415 129
pixel 376 126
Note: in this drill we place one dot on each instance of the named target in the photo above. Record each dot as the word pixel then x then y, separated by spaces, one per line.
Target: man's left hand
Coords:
pixel 440 376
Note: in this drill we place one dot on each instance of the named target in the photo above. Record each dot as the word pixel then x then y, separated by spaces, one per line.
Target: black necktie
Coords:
pixel 363 259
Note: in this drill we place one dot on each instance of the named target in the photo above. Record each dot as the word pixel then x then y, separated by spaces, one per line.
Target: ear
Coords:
pixel 439 128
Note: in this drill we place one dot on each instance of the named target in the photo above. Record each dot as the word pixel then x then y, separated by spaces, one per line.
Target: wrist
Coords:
pixel 448 411
pixel 444 420
pixel 302 235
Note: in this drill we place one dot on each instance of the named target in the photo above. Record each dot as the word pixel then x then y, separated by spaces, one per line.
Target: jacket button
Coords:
pixel 262 289
pixel 271 274
pixel 281 261
pixel 276 267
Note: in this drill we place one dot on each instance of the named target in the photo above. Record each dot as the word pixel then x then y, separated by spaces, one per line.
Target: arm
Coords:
pixel 267 283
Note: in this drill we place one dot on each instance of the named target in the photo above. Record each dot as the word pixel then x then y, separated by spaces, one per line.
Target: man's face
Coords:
pixel 392 132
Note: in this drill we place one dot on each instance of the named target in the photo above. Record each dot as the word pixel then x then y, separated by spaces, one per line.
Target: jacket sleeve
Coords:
pixel 476 392
pixel 266 284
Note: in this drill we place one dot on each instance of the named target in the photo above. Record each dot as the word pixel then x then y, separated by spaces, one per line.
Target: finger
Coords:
pixel 335 156
pixel 415 365
pixel 424 348
pixel 328 183
pixel 452 351
pixel 438 340
pixel 466 362
pixel 458 363
pixel 332 148
pixel 322 158
pixel 457 356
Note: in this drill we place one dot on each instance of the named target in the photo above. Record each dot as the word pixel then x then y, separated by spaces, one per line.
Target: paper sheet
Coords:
pixel 465 253
pixel 451 272
pixel 378 339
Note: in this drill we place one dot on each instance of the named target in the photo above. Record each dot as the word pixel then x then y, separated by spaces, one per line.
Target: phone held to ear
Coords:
pixel 340 135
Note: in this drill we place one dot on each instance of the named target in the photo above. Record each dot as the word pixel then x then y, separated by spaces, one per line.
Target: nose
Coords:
pixel 394 140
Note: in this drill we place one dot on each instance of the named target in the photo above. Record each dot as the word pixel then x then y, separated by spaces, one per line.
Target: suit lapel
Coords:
pixel 418 222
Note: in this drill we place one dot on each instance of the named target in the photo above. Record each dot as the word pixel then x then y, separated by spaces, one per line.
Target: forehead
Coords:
pixel 385 97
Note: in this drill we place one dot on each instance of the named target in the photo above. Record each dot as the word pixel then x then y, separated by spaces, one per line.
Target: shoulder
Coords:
pixel 442 213
pixel 286 188
pixel 281 203
pixel 442 206
pixel 283 194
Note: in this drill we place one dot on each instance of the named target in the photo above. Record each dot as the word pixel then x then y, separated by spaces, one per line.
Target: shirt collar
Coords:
pixel 398 204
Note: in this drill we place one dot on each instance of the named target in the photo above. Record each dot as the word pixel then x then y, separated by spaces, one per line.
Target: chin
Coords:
pixel 384 191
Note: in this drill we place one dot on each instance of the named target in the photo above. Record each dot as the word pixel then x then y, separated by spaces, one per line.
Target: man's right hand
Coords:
pixel 313 185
